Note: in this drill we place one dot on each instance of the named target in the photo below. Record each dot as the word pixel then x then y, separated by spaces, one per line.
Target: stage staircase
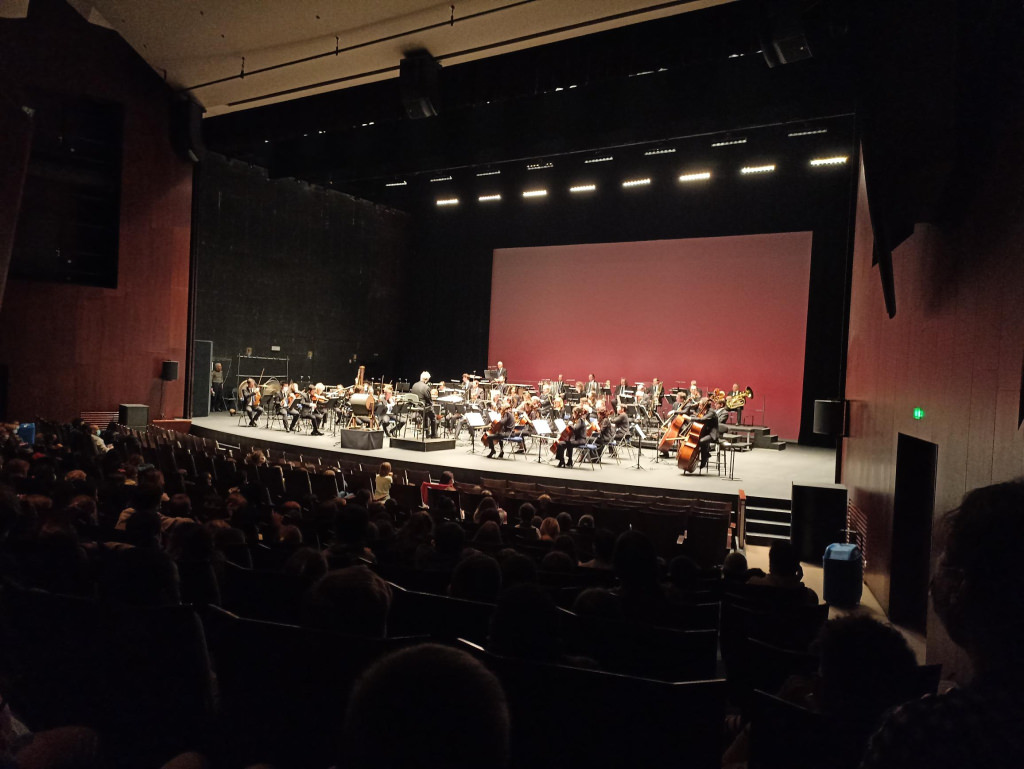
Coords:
pixel 761 437
pixel 767 520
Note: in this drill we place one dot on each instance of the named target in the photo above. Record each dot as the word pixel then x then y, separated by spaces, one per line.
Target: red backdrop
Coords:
pixel 718 310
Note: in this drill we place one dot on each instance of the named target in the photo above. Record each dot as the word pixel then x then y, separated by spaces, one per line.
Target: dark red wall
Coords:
pixel 955 349
pixel 732 310
pixel 74 348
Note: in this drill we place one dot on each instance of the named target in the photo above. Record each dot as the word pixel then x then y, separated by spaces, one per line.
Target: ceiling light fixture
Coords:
pixel 808 132
pixel 838 160
pixel 664 151
pixel 442 179
pixel 583 188
pixel 603 159
pixel 757 169
pixel 695 177
pixel 534 193
pixel 486 198
pixel 488 173
pixel 396 184
pixel 728 142
pixel 637 182
pixel 539 166
pixel 448 201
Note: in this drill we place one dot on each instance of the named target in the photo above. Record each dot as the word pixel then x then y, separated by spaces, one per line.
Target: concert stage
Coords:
pixel 759 472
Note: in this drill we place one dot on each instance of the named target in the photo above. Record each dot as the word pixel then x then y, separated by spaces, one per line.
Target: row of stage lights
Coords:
pixel 686 178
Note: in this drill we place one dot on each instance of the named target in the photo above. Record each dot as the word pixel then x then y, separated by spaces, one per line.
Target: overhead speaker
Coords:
pixel 169 372
pixel 419 84
pixel 782 34
pixel 830 418
pixel 186 129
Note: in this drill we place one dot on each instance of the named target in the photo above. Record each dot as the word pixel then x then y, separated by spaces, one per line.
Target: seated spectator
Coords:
pixel 191 547
pixel 306 563
pixel 604 548
pixel 735 571
pixel 549 529
pixel 289 536
pixel 487 510
pixel 557 562
pixel 976 591
pixel 476 578
pixel 525 625
pixel 598 603
pixel 785 572
pixel 353 600
pixel 488 536
pixel 525 529
pixel 417 531
pixel 419 693
pixel 636 566
pixel 516 568
pixel 444 553
pixel 382 483
pixel 565 522
pixel 566 544
pixel 350 536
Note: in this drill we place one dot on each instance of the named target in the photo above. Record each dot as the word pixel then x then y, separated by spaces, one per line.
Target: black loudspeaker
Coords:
pixel 133 415
pixel 169 372
pixel 830 418
pixel 186 129
pixel 819 519
pixel 782 34
pixel 202 365
pixel 418 82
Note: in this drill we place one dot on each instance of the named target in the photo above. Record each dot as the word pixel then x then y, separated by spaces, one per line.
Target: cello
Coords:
pixel 672 431
pixel 689 448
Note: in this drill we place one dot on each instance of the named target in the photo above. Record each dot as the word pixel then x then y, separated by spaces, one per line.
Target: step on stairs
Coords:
pixel 761 437
pixel 767 520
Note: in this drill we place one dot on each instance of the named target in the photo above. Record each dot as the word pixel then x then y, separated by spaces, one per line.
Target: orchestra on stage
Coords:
pixel 575 419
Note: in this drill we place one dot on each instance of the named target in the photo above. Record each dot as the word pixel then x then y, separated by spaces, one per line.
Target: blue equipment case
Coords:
pixel 843 574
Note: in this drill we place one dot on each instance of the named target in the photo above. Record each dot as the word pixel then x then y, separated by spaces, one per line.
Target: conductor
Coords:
pixel 422 389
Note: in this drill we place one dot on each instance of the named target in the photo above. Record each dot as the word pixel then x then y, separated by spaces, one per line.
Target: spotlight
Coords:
pixel 442 179
pixel 396 184
pixel 808 132
pixel 728 142
pixel 447 201
pixel 486 198
pixel 636 182
pixel 583 188
pixel 602 159
pixel 838 160
pixel 695 177
pixel 534 193
pixel 757 169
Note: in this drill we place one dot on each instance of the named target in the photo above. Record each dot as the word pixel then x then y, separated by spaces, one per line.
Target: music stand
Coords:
pixel 543 433
pixel 474 419
pixel 641 437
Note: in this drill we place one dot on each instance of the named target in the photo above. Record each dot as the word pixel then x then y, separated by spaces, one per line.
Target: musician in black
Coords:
pixel 250 401
pixel 657 393
pixel 422 389
pixel 606 434
pixel 290 400
pixel 577 437
pixel 591 387
pixel 738 393
pixel 558 386
pixel 620 421
pixel 307 408
pixel 500 430
pixel 709 434
pixel 500 372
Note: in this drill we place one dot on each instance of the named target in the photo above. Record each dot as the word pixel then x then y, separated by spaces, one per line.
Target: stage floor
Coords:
pixel 759 472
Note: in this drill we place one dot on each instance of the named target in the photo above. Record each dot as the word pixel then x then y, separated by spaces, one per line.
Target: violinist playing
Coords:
pixel 308 403
pixel 500 430
pixel 289 405
pixel 574 435
pixel 250 395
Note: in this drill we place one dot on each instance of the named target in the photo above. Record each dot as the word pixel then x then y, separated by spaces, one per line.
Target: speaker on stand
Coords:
pixel 168 373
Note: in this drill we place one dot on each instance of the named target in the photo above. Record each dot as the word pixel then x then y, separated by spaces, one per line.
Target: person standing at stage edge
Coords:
pixel 422 389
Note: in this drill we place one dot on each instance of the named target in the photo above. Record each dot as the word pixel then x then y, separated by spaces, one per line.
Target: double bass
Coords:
pixel 672 431
pixel 689 448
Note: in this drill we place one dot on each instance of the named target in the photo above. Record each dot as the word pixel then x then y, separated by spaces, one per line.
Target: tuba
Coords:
pixel 738 400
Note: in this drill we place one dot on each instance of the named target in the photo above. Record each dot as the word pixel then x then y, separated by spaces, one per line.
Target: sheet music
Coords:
pixel 474 419
pixel 560 425
pixel 541 426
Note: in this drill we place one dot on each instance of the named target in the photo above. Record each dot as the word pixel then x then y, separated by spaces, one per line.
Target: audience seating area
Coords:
pixel 238 671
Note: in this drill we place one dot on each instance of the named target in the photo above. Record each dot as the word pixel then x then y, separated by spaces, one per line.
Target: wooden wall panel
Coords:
pixel 954 348
pixel 75 348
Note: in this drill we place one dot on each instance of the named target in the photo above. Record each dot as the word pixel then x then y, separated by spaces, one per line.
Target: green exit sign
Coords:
pixel 918 413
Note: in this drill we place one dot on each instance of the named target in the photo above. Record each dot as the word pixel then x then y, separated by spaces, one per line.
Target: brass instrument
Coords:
pixel 739 400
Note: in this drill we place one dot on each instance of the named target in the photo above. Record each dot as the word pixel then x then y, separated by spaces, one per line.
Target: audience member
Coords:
pixel 785 573
pixel 353 600
pixel 476 578
pixel 549 529
pixel 975 592
pixel 428 705
pixel 604 548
